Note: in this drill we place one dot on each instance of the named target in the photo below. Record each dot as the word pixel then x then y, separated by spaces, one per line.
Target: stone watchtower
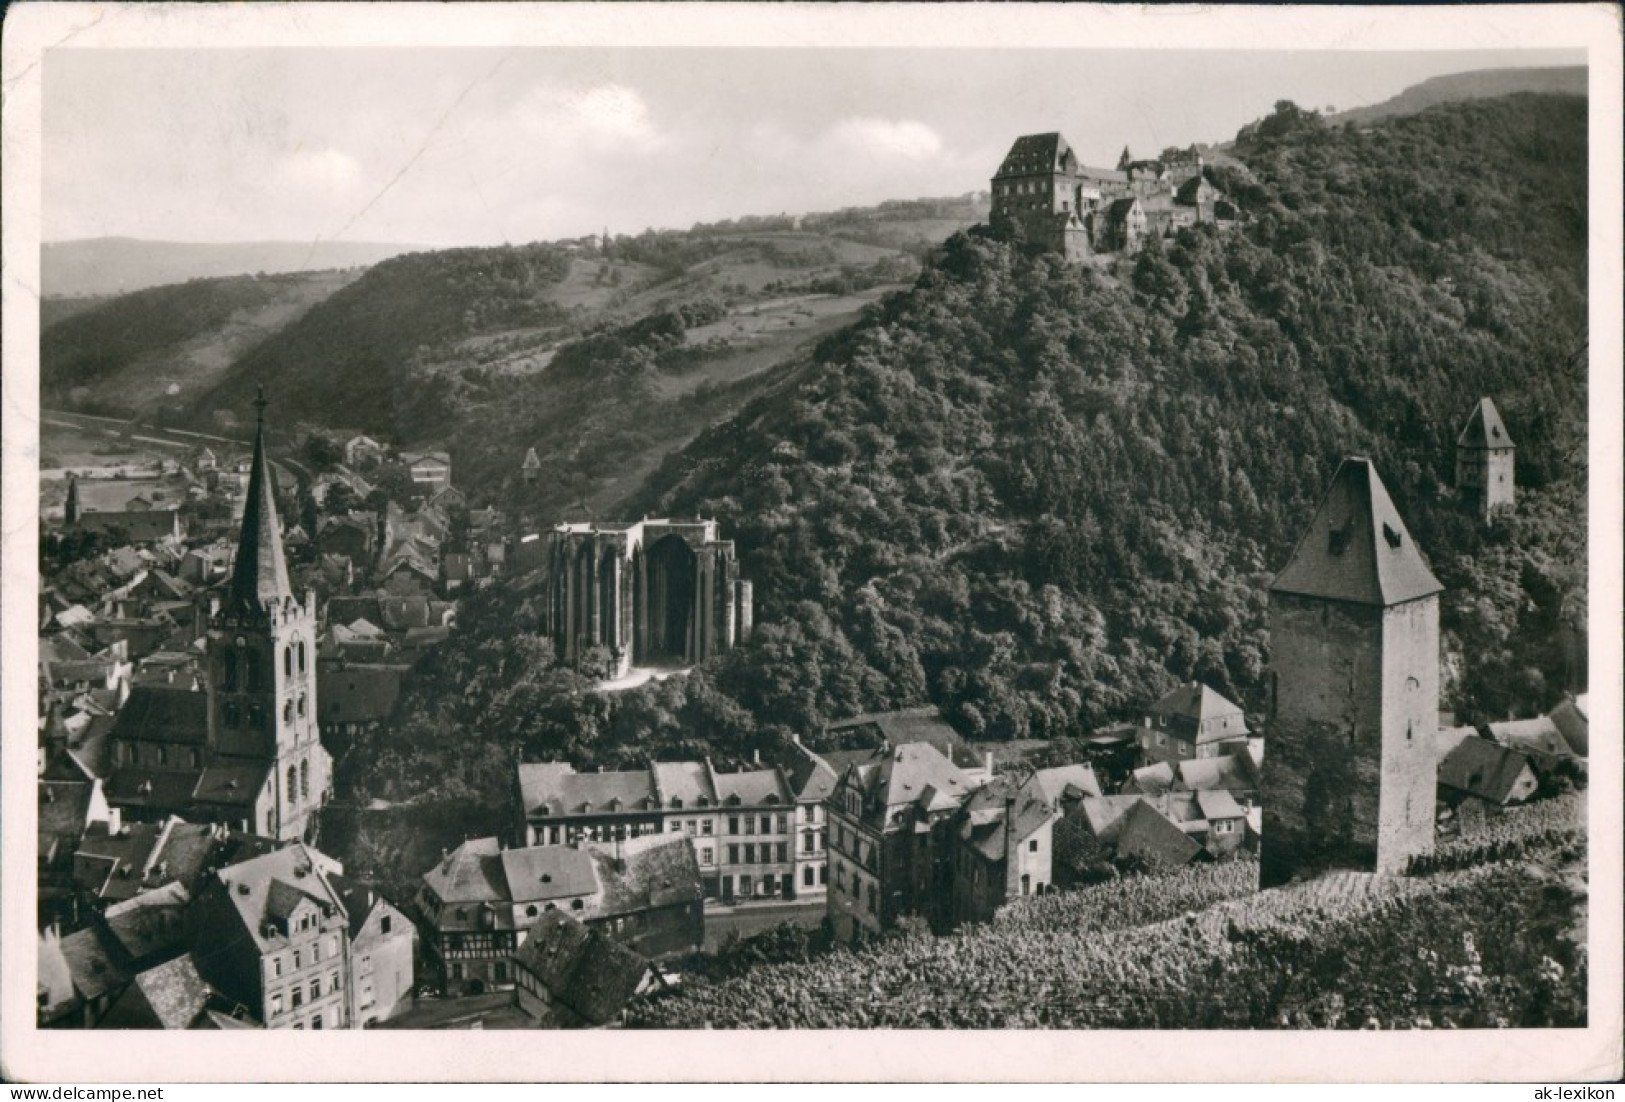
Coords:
pixel 262 667
pixel 1349 772
pixel 1484 461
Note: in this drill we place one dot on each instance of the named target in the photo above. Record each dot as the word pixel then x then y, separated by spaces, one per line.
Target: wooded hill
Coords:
pixel 1040 495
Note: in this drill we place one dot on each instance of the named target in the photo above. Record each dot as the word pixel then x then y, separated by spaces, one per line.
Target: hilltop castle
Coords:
pixel 1044 195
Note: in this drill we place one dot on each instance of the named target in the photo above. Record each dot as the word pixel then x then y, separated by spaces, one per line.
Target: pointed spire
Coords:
pixel 261 574
pixel 1357 549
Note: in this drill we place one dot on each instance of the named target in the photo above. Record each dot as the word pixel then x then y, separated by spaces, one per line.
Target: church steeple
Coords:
pixel 260 575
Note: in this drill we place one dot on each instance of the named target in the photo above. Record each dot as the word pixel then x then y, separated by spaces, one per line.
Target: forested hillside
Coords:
pixel 1040 494
pixel 152 350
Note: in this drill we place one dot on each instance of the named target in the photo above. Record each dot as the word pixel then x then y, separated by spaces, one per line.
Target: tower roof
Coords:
pixel 261 573
pixel 1356 548
pixel 1035 153
pixel 1485 428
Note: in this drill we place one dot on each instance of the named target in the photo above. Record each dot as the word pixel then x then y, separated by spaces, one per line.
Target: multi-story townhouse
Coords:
pixel 889 841
pixel 757 817
pixel 272 934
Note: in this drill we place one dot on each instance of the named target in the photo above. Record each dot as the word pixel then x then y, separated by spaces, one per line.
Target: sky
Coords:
pixel 460 146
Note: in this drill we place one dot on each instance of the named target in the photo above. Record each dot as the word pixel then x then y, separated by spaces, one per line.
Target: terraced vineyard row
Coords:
pixel 1346 952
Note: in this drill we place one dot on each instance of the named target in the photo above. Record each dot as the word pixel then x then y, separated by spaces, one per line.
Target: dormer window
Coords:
pixel 1393 537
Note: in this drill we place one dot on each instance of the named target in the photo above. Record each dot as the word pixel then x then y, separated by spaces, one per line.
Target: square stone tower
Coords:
pixel 1484 461
pixel 1349 767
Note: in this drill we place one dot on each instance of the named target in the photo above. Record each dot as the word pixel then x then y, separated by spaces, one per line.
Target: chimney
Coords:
pixel 756 757
pixel 115 821
pixel 987 762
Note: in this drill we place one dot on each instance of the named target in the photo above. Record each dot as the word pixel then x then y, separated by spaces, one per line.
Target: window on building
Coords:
pixel 316 1022
pixel 782 852
pixel 874 900
pixel 1032 846
pixel 733 824
pixel 744 885
pixel 301 657
pixel 292 790
pixel 840 876
pixel 276 966
pixel 784 824
pixel 691 828
pixel 301 709
pixel 270 822
pixel 315 949
pixel 705 856
pixel 315 989
pixel 276 1002
pixel 807 876
pixel 297 962
pixel 733 855
pixel 576 904
pixel 705 826
pixel 750 824
pixel 823 874
pixel 767 824
pixel 750 854
pixel 676 827
pixel 287 661
pixel 298 998
pixel 807 840
pixel 304 779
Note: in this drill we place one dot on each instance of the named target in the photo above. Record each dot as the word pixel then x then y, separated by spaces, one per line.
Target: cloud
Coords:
pixel 319 172
pixel 902 139
pixel 612 114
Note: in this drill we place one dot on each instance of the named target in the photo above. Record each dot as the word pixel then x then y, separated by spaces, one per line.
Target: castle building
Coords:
pixel 1349 780
pixel 1484 461
pixel 1043 195
pixel 244 751
pixel 652 592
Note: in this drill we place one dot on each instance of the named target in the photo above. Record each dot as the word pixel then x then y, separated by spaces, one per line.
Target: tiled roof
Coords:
pixel 95 963
pixel 540 873
pixel 173 995
pixel 753 788
pixel 1200 705
pixel 809 775
pixel 1574 723
pixel 558 788
pixel 63 807
pixel 1484 428
pixel 1483 769
pixel 1449 738
pixel 1539 736
pixel 162 713
pixel 271 886
pixel 152 922
pixel 1104 815
pixel 985 817
pixel 1066 782
pixel 1356 548
pixel 1148 835
pixel 923 724
pixel 1218 804
pixel 685 781
pixel 1151 780
pixel 582 969
pixel 471 873
pixel 231 782
pixel 1230 772
pixel 915 773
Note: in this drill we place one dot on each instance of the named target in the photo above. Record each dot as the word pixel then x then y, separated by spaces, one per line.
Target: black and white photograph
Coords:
pixel 648 520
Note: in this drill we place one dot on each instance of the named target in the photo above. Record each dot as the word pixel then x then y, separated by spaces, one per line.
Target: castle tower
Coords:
pixel 1349 769
pixel 1484 461
pixel 262 667
pixel 1037 196
pixel 70 511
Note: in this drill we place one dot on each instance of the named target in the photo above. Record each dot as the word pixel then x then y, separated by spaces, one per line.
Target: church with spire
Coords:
pixel 242 749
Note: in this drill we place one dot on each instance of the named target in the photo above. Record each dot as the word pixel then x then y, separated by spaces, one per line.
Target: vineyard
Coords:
pixel 1473 947
pixel 1558 825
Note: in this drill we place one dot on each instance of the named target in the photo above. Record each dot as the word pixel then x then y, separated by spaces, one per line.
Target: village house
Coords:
pixel 1003 835
pixel 144 511
pixel 272 933
pixel 571 977
pixel 1191 721
pixel 890 846
pixel 811 780
pixel 1477 771
pixel 480 900
pixel 1540 740
pixel 430 471
pixel 359 448
pixel 383 951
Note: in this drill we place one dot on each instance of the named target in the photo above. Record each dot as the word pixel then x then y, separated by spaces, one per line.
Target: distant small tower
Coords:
pixel 1350 773
pixel 1484 461
pixel 70 511
pixel 531 468
pixel 1125 160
